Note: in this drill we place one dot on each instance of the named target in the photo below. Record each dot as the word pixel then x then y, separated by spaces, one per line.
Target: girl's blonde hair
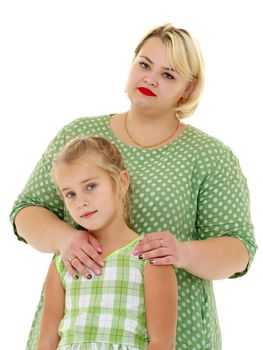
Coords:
pixel 104 154
pixel 185 57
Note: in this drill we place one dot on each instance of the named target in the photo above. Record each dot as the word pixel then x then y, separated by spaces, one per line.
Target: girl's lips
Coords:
pixel 88 214
pixel 146 91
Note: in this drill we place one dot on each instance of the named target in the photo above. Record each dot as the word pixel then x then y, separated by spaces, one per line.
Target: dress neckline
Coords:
pixel 116 251
pixel 123 144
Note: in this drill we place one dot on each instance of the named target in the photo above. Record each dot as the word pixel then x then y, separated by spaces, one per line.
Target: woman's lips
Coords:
pixel 146 91
pixel 88 214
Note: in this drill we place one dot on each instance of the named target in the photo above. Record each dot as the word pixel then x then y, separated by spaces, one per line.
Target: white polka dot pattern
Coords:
pixel 192 187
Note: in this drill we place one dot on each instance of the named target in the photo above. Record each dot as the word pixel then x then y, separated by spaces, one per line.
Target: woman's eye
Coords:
pixel 168 75
pixel 144 65
pixel 91 187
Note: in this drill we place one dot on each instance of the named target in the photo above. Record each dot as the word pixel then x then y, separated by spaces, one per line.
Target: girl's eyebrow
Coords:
pixel 89 179
pixel 148 59
pixel 82 182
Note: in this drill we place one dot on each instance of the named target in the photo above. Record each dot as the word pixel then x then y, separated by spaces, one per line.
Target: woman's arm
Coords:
pixel 215 258
pixel 38 211
pixel 46 232
pixel 53 310
pixel 210 259
pixel 37 226
pixel 160 288
pixel 222 244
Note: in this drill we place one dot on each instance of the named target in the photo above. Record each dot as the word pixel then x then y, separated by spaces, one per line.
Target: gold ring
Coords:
pixel 161 243
pixel 70 260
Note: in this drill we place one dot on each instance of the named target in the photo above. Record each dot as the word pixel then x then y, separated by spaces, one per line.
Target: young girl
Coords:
pixel 131 304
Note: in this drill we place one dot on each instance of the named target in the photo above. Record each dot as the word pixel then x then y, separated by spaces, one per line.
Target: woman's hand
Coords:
pixel 80 253
pixel 161 248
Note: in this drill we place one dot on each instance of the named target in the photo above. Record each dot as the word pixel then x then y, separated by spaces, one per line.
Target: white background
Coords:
pixel 61 60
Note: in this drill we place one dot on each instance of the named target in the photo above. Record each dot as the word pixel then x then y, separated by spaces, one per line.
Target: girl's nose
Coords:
pixel 82 203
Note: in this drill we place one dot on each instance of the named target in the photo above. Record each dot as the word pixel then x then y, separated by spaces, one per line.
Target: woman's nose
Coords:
pixel 150 80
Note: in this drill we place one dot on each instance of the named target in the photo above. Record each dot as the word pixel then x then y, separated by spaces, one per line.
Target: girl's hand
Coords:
pixel 80 253
pixel 161 248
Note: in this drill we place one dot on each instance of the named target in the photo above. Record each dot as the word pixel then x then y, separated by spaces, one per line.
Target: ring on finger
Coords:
pixel 161 243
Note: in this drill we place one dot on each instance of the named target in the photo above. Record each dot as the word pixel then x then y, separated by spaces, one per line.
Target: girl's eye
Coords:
pixel 70 194
pixel 91 186
pixel 144 65
pixel 168 75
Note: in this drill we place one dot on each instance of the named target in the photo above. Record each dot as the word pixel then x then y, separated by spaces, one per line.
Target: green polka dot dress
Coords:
pixel 193 187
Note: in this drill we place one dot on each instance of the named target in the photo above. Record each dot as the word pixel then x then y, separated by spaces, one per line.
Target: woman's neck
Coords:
pixel 148 130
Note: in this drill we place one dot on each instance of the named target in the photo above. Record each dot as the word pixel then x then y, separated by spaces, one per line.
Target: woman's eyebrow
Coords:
pixel 148 59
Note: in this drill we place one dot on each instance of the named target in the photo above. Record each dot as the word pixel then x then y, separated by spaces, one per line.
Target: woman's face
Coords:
pixel 152 83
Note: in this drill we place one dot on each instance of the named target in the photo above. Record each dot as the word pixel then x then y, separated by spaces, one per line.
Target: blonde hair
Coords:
pixel 185 57
pixel 105 155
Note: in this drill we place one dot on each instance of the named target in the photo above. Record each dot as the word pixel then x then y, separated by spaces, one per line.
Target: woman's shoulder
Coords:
pixel 205 143
pixel 88 122
pixel 83 126
pixel 209 152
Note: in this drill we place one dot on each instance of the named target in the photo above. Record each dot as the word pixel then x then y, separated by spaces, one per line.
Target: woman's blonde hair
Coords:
pixel 185 57
pixel 105 155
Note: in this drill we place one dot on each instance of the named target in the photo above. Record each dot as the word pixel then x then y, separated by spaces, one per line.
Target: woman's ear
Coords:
pixel 189 89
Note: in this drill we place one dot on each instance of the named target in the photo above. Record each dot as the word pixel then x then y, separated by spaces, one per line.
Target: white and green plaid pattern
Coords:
pixel 108 308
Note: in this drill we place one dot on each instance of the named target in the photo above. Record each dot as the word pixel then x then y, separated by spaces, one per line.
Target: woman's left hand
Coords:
pixel 161 248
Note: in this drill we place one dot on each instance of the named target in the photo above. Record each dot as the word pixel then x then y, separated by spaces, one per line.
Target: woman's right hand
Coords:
pixel 80 253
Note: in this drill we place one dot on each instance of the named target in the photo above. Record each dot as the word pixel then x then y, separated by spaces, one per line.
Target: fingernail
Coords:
pixel 99 250
pixel 152 262
pixel 76 277
pixel 135 251
pixel 102 263
pixel 97 271
pixel 89 277
pixel 141 256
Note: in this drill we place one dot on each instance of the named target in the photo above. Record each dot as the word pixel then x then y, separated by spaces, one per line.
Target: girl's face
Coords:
pixel 152 83
pixel 88 194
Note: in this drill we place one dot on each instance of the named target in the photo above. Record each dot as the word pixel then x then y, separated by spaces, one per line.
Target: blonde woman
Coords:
pixel 189 194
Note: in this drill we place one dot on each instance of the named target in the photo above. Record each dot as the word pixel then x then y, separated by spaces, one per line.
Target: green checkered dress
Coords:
pixel 107 311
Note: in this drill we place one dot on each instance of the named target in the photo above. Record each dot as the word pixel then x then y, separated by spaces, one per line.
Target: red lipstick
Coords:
pixel 146 91
pixel 88 214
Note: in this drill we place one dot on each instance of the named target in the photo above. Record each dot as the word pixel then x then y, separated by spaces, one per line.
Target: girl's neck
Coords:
pixel 113 237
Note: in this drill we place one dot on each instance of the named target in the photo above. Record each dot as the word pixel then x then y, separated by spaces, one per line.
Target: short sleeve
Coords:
pixel 40 189
pixel 223 201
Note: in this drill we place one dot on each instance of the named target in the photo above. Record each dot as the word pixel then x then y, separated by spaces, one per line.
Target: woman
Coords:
pixel 189 194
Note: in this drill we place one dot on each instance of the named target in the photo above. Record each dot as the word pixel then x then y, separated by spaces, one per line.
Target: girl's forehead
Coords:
pixel 80 166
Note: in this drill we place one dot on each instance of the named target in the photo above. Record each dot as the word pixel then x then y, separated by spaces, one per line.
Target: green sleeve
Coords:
pixel 40 189
pixel 223 202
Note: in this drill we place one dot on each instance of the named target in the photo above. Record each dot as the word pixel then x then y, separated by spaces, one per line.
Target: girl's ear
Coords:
pixel 125 180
